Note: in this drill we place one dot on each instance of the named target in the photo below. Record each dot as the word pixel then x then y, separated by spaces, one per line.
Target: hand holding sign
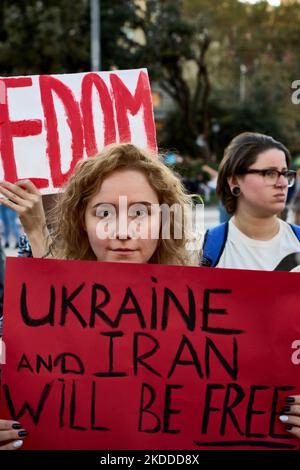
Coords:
pixel 24 198
pixel 291 415
pixel 10 434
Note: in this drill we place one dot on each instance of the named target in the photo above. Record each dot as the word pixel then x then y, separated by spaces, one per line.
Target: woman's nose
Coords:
pixel 122 229
pixel 282 181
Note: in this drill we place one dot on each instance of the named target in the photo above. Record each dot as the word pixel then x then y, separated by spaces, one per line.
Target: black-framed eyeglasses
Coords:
pixel 271 175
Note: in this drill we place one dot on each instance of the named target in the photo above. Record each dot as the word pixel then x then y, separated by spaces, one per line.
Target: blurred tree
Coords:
pixel 53 36
pixel 39 36
pixel 224 62
pixel 262 41
pixel 172 46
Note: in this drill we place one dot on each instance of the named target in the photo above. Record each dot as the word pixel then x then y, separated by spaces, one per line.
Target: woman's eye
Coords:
pixel 138 211
pixel 271 173
pixel 105 212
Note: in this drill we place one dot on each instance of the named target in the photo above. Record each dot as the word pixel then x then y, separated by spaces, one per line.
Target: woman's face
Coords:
pixel 122 218
pixel 258 196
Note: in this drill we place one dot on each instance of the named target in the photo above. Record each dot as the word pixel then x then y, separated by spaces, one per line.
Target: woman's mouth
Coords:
pixel 280 196
pixel 123 250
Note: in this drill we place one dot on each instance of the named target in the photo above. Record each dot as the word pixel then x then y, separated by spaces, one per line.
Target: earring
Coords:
pixel 236 191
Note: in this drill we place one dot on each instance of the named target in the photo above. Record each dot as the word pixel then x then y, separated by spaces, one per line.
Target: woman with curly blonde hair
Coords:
pixel 90 212
pixel 126 171
pixel 123 205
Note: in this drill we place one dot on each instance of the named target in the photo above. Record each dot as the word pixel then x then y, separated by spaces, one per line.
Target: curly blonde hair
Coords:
pixel 69 237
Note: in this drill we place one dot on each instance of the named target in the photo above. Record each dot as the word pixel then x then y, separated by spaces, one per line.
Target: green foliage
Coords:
pixel 265 40
pixel 43 36
pixel 53 36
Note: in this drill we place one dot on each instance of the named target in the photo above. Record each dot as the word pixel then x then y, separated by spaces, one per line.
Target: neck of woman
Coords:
pixel 258 228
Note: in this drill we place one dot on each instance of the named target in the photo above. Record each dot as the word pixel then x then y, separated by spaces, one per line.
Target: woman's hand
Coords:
pixel 291 415
pixel 11 435
pixel 26 200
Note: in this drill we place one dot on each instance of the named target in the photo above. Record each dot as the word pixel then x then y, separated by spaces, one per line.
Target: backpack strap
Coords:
pixel 214 244
pixel 296 230
pixel 24 247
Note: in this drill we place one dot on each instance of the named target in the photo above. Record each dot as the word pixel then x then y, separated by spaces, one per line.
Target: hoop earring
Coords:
pixel 236 191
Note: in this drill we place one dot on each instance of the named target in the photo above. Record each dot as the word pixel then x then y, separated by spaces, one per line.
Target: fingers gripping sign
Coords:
pixel 26 200
pixel 290 416
pixel 11 435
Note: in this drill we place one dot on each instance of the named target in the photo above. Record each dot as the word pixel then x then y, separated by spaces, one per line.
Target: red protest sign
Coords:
pixel 49 122
pixel 120 356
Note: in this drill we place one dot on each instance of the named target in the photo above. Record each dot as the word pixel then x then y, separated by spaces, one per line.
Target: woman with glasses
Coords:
pixel 253 182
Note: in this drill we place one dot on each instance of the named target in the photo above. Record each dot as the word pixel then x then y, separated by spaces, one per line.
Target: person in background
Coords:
pixel 295 203
pixel 253 182
pixel 223 214
pixel 10 225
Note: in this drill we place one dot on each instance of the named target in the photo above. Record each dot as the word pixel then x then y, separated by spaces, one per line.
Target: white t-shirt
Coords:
pixel 242 252
pixel 296 270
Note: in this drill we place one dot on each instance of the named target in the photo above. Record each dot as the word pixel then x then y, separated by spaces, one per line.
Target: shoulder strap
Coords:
pixel 296 230
pixel 214 244
pixel 24 247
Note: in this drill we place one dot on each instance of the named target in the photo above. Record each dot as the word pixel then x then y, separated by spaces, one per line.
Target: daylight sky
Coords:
pixel 272 2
